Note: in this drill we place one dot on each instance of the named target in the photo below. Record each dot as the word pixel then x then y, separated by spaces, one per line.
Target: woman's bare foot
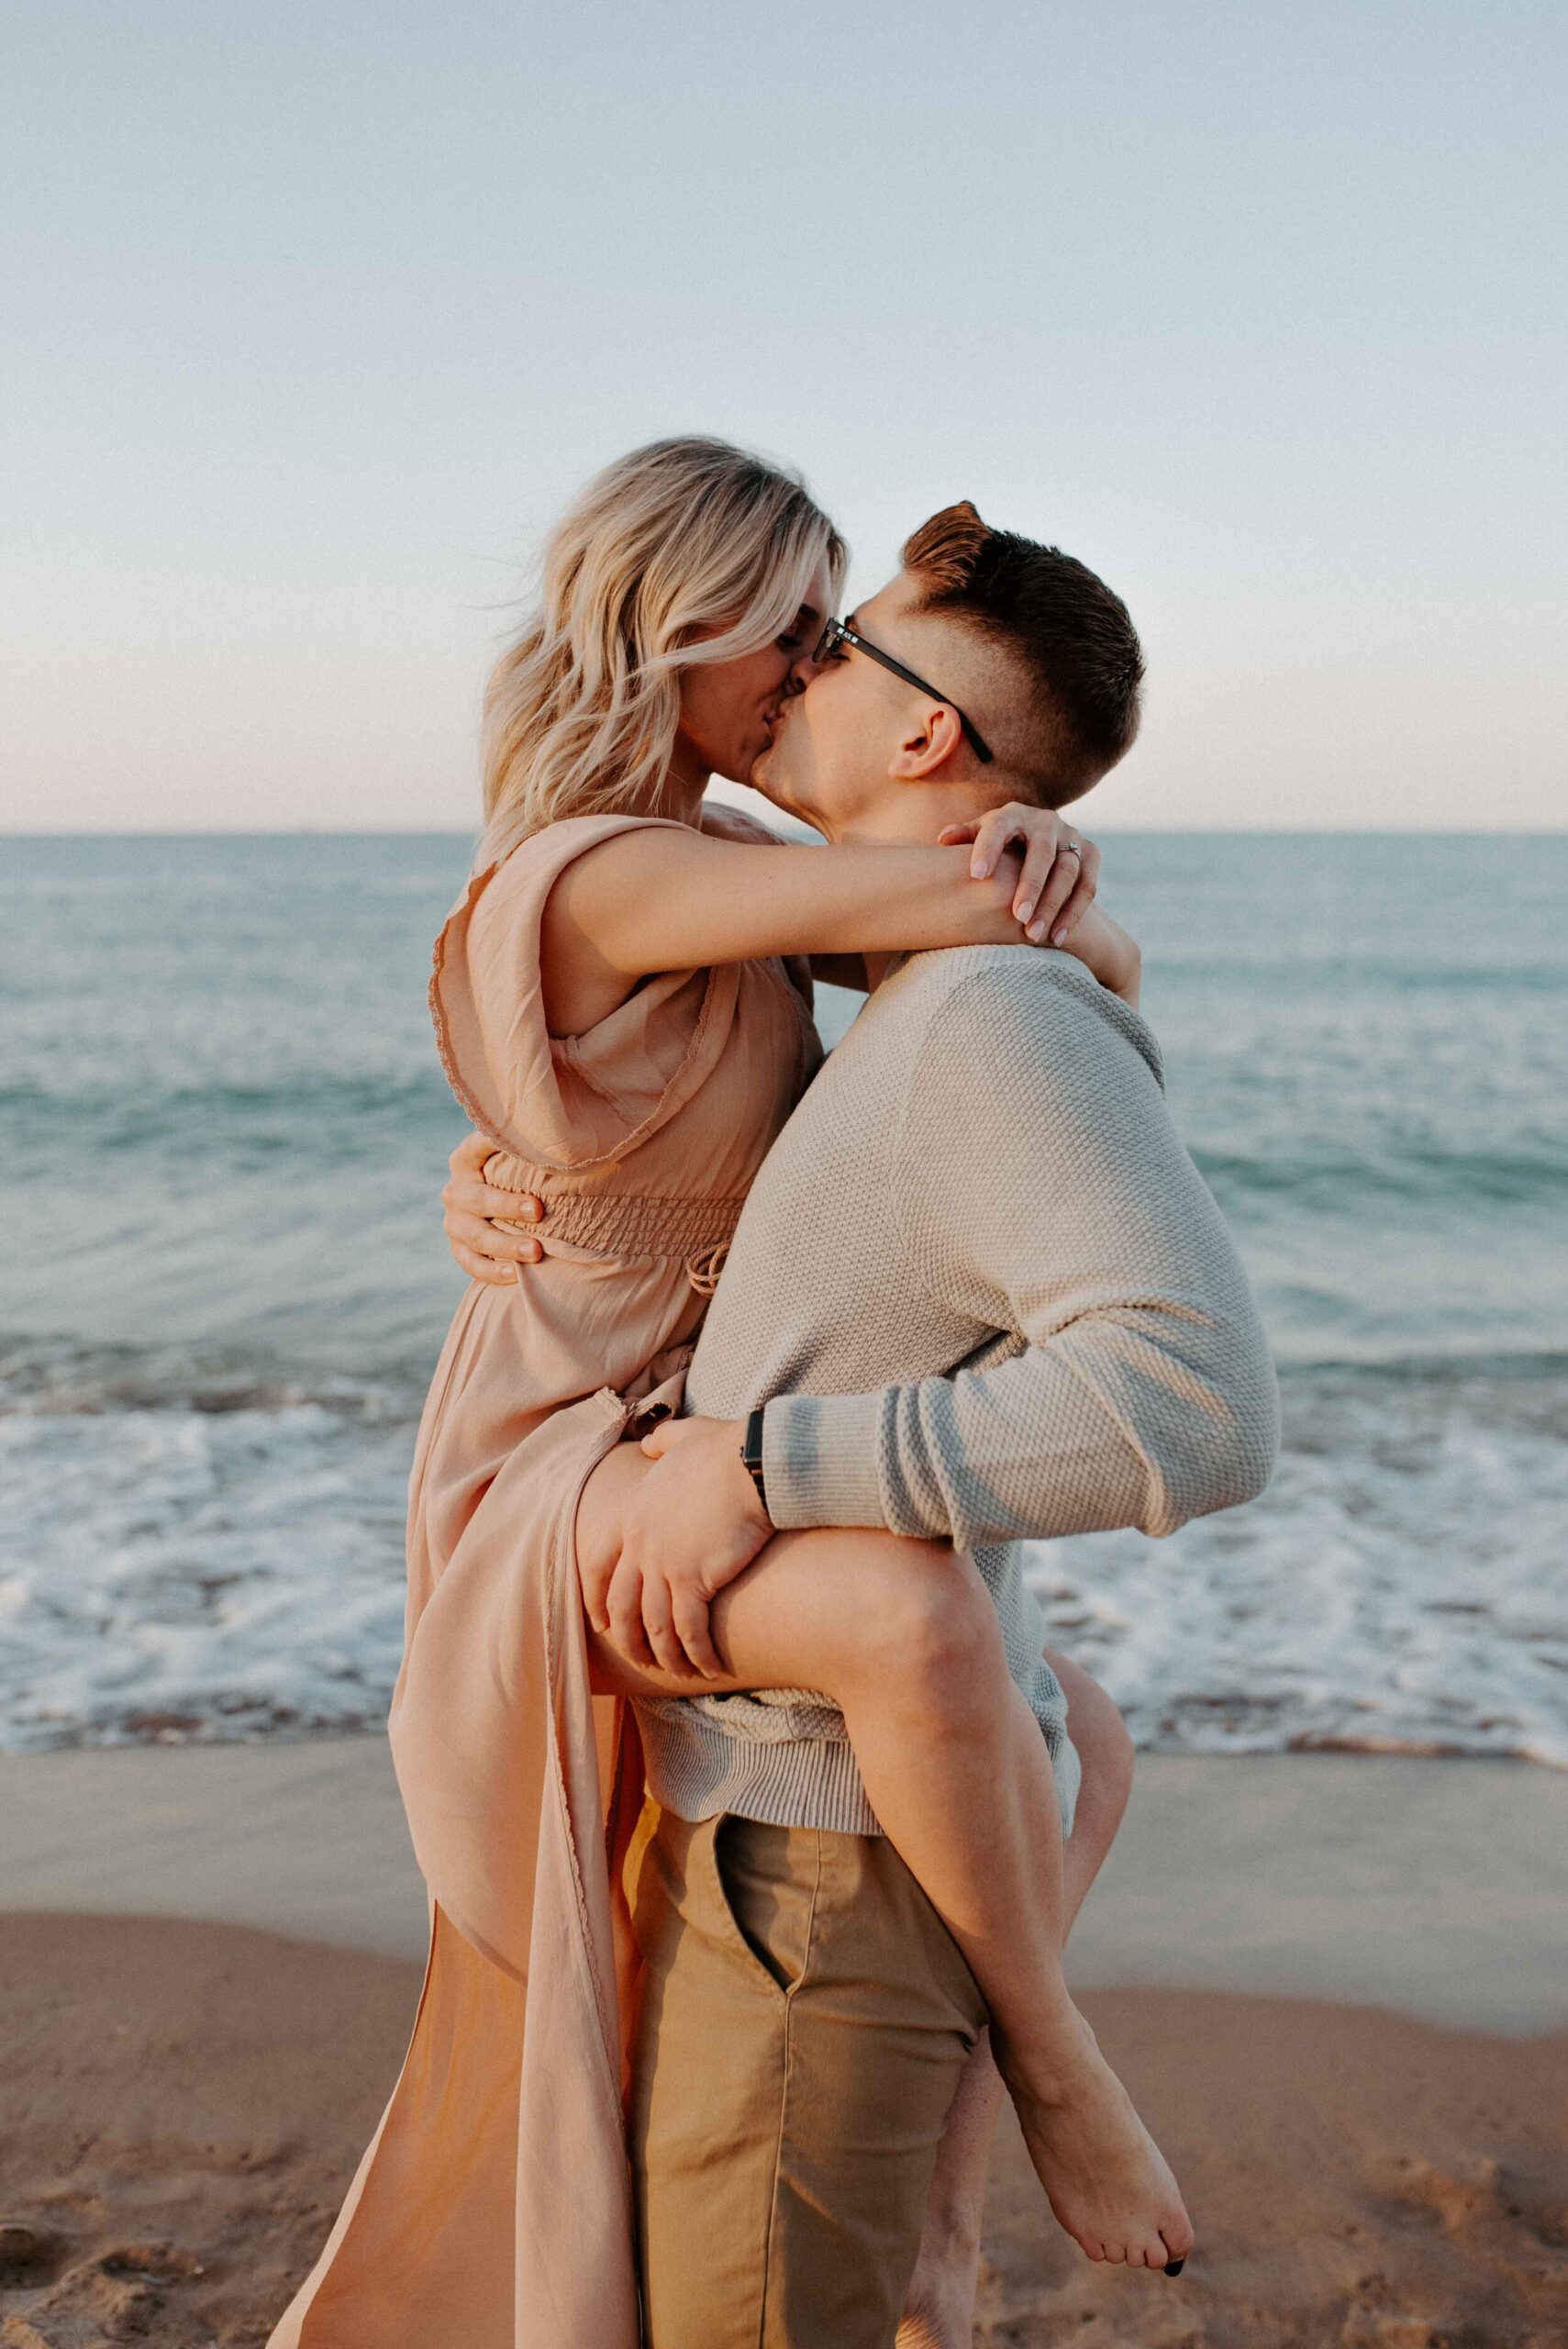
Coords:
pixel 1105 2178
pixel 938 2308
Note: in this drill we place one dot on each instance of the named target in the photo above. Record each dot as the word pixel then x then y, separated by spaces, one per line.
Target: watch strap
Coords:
pixel 752 1454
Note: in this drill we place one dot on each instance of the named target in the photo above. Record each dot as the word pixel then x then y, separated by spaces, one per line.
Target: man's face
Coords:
pixel 834 740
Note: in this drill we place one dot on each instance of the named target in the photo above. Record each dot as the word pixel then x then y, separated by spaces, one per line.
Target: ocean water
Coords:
pixel 223 1286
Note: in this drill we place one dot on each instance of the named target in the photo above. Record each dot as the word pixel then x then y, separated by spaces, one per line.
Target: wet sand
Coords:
pixel 1336 1987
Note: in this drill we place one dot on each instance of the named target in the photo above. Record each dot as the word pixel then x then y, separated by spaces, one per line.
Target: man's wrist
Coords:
pixel 752 1456
pixel 822 1460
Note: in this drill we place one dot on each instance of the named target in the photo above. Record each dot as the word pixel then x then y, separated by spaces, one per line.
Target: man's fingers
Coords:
pixel 466 1195
pixel 509 1206
pixel 471 1154
pixel 624 1601
pixel 473 1232
pixel 695 1634
pixel 657 1622
pixel 656 1442
pixel 594 1583
pixel 485 1268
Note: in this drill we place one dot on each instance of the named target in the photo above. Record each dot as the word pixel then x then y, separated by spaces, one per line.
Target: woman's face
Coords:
pixel 728 709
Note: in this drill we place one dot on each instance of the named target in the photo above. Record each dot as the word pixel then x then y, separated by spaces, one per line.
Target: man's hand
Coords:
pixel 691 1524
pixel 477 1217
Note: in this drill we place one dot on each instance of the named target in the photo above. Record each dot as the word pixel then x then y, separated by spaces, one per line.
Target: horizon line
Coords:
pixel 464 831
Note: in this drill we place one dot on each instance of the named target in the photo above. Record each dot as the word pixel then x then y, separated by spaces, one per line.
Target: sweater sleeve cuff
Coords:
pixel 819 1459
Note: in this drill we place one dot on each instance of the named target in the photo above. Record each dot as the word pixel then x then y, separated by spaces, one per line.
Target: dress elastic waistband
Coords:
pixel 625 1223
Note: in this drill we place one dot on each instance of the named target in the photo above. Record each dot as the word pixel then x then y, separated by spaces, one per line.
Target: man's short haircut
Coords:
pixel 1069 634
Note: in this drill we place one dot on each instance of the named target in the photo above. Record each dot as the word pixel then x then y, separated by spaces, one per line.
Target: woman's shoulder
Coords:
pixel 564 1102
pixel 555 845
pixel 505 873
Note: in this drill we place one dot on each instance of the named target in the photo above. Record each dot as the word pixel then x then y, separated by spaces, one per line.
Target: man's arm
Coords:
pixel 1042 1190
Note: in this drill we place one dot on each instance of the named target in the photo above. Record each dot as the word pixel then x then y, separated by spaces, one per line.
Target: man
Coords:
pixel 978 1294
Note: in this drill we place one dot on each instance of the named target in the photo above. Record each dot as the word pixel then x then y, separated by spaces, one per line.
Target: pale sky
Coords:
pixel 314 313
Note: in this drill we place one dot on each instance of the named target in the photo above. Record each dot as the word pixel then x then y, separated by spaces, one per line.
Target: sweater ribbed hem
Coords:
pixel 701 1766
pixel 699 1769
pixel 819 1456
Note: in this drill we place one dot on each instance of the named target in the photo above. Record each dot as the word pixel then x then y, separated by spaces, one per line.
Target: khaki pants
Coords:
pixel 806 2020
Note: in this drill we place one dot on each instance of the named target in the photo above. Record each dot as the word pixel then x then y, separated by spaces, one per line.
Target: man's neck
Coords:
pixel 904 816
pixel 911 815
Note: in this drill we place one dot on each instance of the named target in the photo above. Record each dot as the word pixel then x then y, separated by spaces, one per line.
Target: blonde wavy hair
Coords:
pixel 687 550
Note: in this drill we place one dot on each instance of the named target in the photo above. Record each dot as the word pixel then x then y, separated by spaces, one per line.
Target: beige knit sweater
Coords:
pixel 985 1295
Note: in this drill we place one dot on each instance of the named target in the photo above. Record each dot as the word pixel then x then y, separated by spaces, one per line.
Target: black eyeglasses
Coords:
pixel 835 634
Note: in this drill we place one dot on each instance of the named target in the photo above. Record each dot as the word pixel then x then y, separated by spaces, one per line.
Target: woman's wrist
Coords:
pixel 1109 953
pixel 1129 985
pixel 1122 970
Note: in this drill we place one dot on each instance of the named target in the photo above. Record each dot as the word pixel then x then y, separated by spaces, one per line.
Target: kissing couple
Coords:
pixel 754 1811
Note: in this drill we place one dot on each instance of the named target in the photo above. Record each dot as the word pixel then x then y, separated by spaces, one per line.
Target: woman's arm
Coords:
pixel 722 822
pixel 1053 887
pixel 1101 944
pixel 1109 953
pixel 669 898
pixel 673 899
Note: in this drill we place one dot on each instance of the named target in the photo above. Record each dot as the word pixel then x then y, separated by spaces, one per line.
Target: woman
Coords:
pixel 634 1077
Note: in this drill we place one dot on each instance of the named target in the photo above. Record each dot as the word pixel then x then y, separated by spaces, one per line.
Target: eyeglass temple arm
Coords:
pixel 876 653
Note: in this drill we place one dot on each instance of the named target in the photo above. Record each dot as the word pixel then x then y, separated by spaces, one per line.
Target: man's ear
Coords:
pixel 930 741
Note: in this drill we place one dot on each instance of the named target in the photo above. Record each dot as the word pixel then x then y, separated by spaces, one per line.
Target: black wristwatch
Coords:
pixel 751 1455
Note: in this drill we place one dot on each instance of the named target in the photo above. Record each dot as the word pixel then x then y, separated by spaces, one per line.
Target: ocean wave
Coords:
pixel 212 1110
pixel 1334 971
pixel 1530 1172
pixel 206 1574
pixel 1399 1588
pixel 60 1377
pixel 197 1551
pixel 335 1115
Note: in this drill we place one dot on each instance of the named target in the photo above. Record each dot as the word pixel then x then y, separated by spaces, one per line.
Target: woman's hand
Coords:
pixel 1061 868
pixel 476 1215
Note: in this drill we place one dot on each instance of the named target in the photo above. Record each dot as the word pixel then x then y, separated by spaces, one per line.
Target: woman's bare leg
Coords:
pixel 904 1637
pixel 939 2312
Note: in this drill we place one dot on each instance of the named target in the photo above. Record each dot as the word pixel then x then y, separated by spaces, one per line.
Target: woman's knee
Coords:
pixel 923 1616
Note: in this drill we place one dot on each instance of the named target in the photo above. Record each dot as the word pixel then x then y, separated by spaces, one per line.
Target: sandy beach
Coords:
pixel 1333 1982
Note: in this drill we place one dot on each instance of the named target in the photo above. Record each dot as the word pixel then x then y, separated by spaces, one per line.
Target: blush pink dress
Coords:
pixel 493 2208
